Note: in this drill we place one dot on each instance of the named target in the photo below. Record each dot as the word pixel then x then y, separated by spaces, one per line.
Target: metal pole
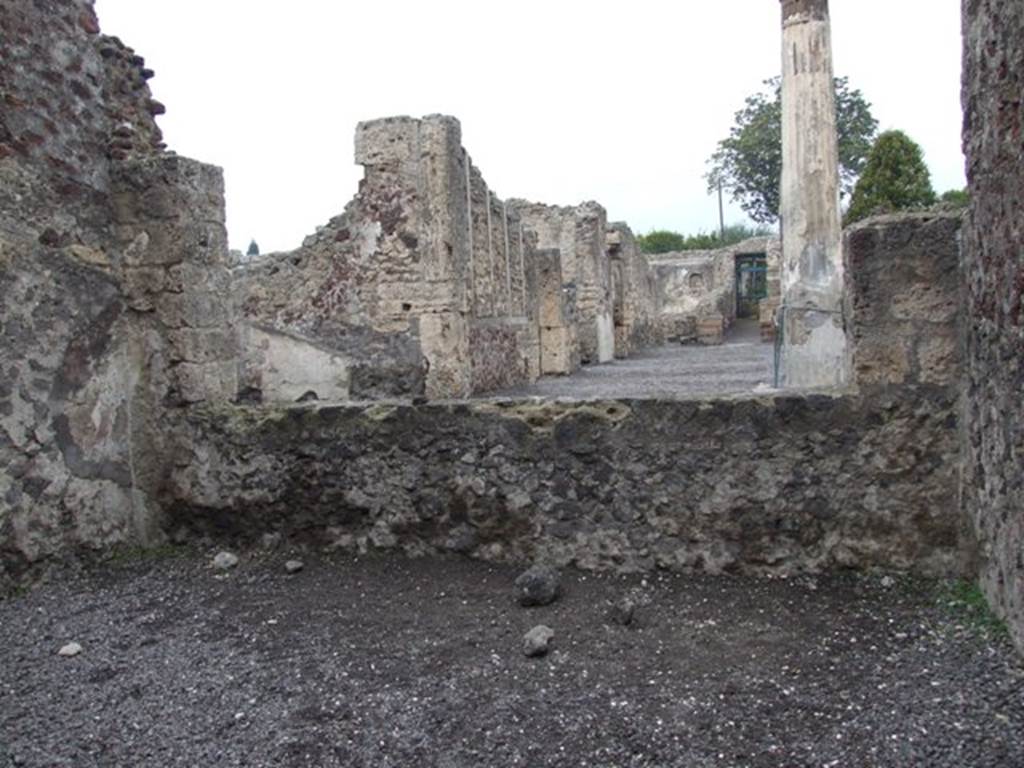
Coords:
pixel 721 213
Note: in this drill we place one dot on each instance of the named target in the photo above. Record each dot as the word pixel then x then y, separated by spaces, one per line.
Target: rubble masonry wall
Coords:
pixel 95 227
pixel 421 287
pixel 993 438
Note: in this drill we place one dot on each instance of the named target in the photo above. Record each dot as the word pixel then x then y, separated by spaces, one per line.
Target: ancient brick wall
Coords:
pixel 905 299
pixel 419 287
pixel 993 491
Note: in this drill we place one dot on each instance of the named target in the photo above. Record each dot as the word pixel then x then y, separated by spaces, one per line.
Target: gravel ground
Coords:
pixel 394 662
pixel 742 364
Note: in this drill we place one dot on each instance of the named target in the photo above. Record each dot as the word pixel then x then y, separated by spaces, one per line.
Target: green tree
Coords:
pixel 660 241
pixel 895 178
pixel 254 250
pixel 748 164
pixel 665 241
pixel 955 198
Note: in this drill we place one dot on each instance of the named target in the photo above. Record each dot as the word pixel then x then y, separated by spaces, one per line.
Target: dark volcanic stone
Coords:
pixel 539 585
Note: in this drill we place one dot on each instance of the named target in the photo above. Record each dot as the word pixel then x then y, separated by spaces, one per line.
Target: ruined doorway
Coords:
pixel 751 283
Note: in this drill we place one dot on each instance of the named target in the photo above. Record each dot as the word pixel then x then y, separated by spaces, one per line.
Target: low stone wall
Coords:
pixel 779 484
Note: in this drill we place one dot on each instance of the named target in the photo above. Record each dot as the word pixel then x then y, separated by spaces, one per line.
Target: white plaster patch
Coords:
pixel 605 338
pixel 821 361
pixel 291 368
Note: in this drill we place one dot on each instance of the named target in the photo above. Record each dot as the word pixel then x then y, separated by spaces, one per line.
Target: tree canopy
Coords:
pixel 254 249
pixel 665 241
pixel 895 178
pixel 748 163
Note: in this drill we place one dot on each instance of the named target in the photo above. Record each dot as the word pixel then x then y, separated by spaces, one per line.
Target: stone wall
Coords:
pixel 993 494
pixel 905 299
pixel 106 246
pixel 780 484
pixel 696 284
pixel 580 233
pixel 636 301
pixel 419 287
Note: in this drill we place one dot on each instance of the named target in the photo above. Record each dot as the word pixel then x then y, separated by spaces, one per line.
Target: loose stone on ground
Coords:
pixel 537 641
pixel 225 561
pixel 69 650
pixel 540 585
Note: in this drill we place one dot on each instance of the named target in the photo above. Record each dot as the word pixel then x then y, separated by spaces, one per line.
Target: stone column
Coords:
pixel 814 344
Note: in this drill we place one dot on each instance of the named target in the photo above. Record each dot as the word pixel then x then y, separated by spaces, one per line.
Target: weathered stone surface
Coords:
pixel 636 301
pixel 994 254
pixel 111 288
pixel 423 286
pixel 537 641
pixel 776 484
pixel 70 650
pixel 539 585
pixel 711 329
pixel 580 235
pixel 695 284
pixel 225 561
pixel 813 348
pixel 905 299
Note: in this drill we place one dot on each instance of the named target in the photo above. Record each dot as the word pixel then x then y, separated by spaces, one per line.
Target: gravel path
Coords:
pixel 393 662
pixel 741 365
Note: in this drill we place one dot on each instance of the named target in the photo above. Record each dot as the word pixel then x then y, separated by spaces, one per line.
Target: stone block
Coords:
pixel 558 351
pixel 711 329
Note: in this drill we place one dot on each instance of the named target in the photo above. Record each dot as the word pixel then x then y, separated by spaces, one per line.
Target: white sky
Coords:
pixel 560 100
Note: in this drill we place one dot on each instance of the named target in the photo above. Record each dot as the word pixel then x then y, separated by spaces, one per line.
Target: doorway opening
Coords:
pixel 751 283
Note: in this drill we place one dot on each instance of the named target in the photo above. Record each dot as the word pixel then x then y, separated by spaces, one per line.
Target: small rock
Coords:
pixel 623 611
pixel 539 585
pixel 294 566
pixel 225 561
pixel 888 582
pixel 71 649
pixel 270 540
pixel 537 641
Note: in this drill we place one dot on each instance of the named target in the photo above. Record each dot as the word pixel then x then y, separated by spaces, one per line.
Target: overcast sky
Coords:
pixel 560 100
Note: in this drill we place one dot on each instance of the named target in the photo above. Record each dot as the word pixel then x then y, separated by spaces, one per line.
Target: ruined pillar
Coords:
pixel 813 346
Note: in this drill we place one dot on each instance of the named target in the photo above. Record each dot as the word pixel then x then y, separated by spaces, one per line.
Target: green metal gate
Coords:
pixel 751 283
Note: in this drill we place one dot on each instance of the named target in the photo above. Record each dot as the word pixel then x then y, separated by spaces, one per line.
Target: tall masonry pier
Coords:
pixel 814 346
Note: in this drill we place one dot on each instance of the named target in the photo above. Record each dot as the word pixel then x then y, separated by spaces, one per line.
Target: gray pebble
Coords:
pixel 537 641
pixel 294 566
pixel 71 649
pixel 225 561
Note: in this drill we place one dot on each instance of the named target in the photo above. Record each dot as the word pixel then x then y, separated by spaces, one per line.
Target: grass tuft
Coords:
pixel 970 607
